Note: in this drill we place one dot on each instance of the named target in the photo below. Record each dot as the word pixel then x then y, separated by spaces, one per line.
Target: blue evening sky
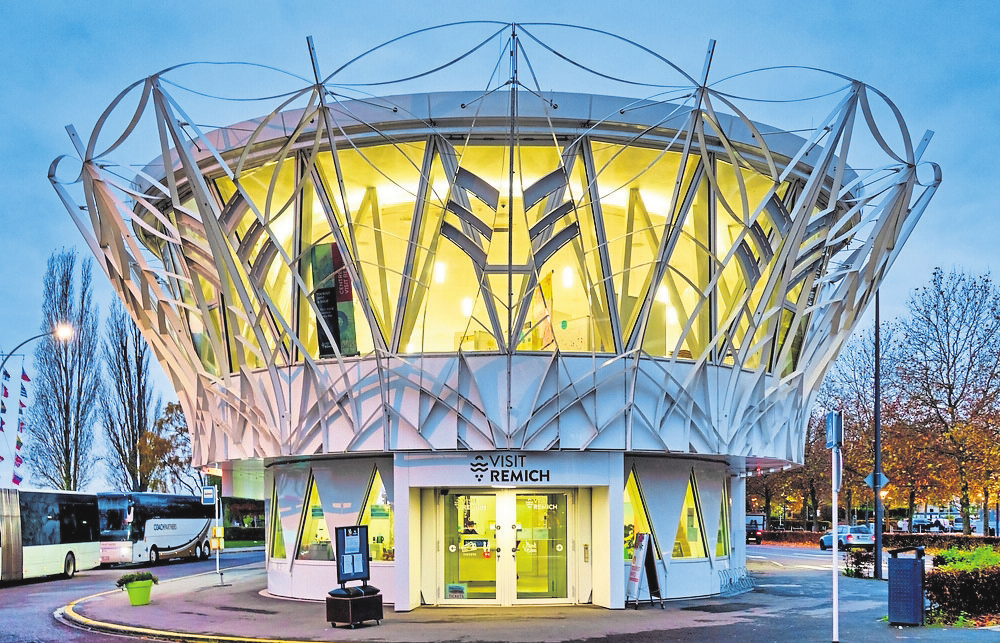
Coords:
pixel 63 62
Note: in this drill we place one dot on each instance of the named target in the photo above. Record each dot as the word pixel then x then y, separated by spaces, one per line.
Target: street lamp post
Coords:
pixel 62 332
pixel 877 477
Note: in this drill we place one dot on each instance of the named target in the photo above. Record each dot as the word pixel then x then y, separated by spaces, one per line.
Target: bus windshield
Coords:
pixel 115 519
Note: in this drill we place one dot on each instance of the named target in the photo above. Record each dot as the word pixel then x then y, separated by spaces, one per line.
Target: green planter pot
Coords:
pixel 138 592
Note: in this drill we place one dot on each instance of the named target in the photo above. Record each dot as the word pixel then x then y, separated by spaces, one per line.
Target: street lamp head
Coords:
pixel 63 332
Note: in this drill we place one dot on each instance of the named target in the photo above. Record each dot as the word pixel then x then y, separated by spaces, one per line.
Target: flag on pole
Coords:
pixel 16 479
pixel 24 376
pixel 24 391
pixel 20 412
pixel 23 405
pixel 20 426
pixel 6 375
pixel 5 391
pixel 3 407
pixel 1 458
pixel 19 443
pixel 1 424
pixel 18 460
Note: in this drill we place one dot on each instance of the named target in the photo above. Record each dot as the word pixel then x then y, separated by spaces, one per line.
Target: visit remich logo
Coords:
pixel 506 467
pixel 478 467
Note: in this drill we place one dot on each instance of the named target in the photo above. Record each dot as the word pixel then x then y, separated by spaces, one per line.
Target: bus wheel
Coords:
pixel 69 565
pixel 154 556
pixel 206 551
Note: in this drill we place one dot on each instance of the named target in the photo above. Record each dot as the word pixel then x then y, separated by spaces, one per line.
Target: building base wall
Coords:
pixel 506 551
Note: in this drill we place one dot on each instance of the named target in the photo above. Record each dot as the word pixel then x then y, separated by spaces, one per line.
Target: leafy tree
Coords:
pixel 128 408
pixel 170 444
pixel 951 370
pixel 60 422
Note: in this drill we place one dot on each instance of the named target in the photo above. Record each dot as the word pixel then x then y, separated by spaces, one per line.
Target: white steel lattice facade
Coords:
pixel 516 270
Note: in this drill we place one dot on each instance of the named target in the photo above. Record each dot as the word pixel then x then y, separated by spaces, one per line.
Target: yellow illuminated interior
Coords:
pixel 315 543
pixel 722 540
pixel 579 271
pixel 378 515
pixel 690 539
pixel 636 519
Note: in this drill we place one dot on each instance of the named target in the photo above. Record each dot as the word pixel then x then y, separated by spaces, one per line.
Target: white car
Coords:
pixel 848 537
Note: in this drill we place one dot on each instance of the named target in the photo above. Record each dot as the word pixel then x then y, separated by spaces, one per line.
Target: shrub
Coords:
pixel 967 559
pixel 133 577
pixel 860 563
pixel 953 592
pixel 936 541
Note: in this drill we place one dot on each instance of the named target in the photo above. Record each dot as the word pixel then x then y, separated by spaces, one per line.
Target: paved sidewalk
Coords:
pixel 794 607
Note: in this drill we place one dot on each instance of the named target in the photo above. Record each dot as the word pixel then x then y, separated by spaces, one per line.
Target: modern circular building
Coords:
pixel 508 329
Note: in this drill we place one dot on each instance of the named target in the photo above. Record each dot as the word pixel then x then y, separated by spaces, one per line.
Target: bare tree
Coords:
pixel 128 409
pixel 61 420
pixel 951 369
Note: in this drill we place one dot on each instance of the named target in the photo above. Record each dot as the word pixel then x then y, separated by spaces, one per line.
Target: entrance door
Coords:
pixel 507 546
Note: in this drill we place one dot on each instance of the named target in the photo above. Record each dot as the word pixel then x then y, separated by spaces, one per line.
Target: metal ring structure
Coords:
pixel 504 266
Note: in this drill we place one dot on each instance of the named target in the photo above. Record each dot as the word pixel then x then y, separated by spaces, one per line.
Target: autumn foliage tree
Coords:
pixel 950 371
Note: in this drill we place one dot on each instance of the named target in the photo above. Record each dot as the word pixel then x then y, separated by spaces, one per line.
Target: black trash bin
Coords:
pixel 906 587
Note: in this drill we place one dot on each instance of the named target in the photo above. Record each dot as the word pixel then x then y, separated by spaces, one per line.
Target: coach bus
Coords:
pixel 43 533
pixel 150 527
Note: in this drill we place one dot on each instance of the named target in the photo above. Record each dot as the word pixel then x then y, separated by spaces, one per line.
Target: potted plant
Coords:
pixel 138 585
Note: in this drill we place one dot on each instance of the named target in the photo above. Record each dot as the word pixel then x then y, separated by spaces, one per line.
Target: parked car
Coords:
pixel 755 528
pixel 858 536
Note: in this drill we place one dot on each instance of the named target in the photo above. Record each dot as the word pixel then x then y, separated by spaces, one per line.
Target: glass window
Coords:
pixel 690 541
pixel 378 515
pixel 290 490
pixel 315 544
pixel 277 537
pixel 722 540
pixel 636 518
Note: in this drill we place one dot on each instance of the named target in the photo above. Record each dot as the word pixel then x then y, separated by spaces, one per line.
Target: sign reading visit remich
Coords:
pixel 508 468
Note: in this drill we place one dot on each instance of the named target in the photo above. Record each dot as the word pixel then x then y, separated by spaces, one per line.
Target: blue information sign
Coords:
pixel 352 553
pixel 208 495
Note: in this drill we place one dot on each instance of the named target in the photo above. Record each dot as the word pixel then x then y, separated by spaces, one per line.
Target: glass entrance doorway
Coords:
pixel 506 546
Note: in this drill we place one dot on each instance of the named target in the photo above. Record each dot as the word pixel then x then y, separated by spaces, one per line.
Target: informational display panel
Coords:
pixel 352 553
pixel 643 565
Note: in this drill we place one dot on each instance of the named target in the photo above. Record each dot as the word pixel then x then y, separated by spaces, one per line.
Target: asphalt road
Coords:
pixel 26 608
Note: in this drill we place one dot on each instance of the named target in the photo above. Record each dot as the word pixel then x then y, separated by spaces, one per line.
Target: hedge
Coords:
pixel 792 537
pixel 894 540
pixel 972 592
pixel 244 533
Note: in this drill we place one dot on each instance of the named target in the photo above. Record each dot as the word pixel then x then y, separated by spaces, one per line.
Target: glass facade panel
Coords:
pixel 722 539
pixel 289 488
pixel 316 543
pixel 678 324
pixel 276 535
pixel 690 539
pixel 470 565
pixel 636 190
pixel 378 515
pixel 636 518
pixel 586 269
pixel 541 546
